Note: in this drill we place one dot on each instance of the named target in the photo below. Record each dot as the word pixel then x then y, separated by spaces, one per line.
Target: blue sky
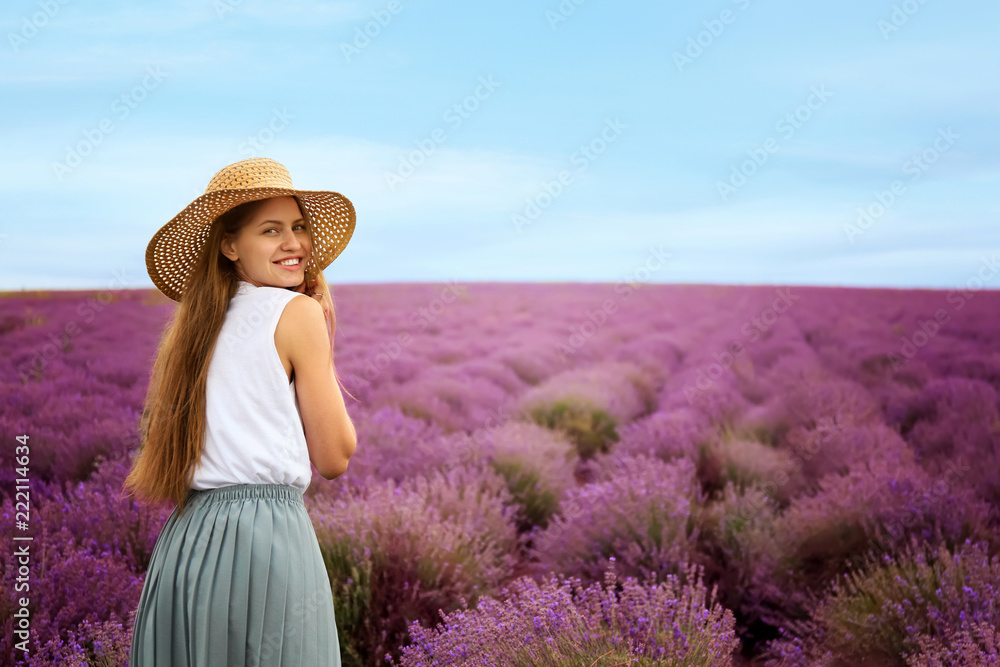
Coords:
pixel 740 138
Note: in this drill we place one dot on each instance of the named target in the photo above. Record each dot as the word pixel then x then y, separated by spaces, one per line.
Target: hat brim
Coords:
pixel 175 248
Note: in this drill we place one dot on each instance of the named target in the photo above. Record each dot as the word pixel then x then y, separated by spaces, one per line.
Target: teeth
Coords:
pixel 289 262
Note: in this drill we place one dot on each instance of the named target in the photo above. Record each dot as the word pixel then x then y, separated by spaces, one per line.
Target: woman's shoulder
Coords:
pixel 300 305
pixel 301 322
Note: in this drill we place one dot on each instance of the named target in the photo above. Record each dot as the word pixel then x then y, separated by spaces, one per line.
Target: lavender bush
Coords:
pixel 399 447
pixel 744 462
pixel 589 403
pixel 638 511
pixel 830 447
pixel 88 558
pixel 721 402
pixel 876 509
pixel 75 601
pixel 728 529
pixel 560 623
pixel 977 645
pixel 74 369
pixel 650 347
pixel 101 644
pixel 537 463
pixel 95 517
pixel 813 397
pixel 678 433
pixel 888 612
pixel 399 552
pixel 956 421
pixel 453 398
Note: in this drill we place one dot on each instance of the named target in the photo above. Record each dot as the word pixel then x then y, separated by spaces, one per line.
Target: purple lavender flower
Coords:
pixel 638 511
pixel 676 622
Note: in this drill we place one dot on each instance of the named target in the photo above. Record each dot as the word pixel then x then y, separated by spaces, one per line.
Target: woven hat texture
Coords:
pixel 175 248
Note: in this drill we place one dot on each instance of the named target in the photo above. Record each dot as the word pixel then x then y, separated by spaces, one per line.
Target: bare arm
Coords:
pixel 302 335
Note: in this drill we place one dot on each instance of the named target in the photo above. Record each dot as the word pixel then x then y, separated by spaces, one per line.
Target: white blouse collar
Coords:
pixel 244 287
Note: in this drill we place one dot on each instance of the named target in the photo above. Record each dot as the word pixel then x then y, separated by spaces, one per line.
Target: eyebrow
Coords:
pixel 278 222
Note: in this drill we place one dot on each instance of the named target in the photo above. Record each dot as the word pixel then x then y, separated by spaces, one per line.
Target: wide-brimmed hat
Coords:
pixel 176 246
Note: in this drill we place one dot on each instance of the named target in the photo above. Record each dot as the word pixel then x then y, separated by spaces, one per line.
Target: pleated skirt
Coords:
pixel 237 579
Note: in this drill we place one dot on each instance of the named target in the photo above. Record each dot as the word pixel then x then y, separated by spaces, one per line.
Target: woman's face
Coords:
pixel 273 247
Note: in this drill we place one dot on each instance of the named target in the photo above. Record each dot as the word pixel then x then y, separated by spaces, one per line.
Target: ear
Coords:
pixel 228 248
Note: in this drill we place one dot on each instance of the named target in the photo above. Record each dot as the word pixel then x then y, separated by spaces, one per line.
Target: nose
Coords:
pixel 290 240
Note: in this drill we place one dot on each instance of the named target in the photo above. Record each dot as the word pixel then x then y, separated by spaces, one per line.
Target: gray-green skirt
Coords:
pixel 238 579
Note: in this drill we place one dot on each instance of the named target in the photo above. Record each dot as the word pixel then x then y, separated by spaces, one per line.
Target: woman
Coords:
pixel 243 396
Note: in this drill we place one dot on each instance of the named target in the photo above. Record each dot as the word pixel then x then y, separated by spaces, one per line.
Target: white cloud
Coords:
pixel 142 184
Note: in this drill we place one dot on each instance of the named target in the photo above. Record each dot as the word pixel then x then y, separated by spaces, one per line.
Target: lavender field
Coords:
pixel 566 474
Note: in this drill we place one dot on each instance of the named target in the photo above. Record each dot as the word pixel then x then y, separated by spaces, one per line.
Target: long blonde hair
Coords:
pixel 172 426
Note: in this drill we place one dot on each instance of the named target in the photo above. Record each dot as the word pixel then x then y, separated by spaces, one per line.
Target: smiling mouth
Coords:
pixel 290 262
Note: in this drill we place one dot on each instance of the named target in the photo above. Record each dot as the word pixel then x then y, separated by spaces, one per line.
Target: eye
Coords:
pixel 275 229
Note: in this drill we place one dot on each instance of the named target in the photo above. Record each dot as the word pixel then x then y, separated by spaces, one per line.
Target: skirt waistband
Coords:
pixel 246 491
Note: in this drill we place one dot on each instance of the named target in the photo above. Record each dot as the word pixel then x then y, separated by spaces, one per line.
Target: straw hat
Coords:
pixel 176 246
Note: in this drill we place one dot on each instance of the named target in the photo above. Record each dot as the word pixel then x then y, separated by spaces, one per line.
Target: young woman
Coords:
pixel 243 397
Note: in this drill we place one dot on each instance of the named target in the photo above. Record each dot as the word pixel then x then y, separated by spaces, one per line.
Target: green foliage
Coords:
pixel 537 502
pixel 877 613
pixel 592 430
pixel 350 582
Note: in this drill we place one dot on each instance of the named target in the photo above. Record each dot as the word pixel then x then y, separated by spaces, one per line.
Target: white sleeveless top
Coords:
pixel 253 427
